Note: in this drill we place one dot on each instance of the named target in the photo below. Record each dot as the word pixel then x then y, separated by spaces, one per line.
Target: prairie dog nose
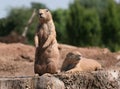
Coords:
pixel 40 13
pixel 78 57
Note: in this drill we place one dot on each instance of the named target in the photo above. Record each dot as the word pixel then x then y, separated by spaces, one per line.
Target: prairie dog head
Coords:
pixel 73 56
pixel 71 60
pixel 44 15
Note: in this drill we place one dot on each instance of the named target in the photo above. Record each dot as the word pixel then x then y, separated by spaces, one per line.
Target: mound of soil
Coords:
pixel 17 59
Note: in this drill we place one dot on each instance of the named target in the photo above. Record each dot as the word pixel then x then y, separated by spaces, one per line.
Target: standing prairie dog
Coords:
pixel 74 62
pixel 47 54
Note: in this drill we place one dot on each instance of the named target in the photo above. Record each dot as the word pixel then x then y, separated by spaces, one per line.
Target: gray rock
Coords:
pixel 48 81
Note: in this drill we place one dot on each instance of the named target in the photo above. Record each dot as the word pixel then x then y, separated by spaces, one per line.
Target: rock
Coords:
pixel 105 79
pixel 48 81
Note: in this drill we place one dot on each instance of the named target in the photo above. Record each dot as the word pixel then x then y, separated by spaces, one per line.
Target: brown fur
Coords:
pixel 74 63
pixel 47 54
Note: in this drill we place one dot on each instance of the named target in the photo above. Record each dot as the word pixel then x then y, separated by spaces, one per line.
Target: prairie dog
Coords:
pixel 47 53
pixel 74 62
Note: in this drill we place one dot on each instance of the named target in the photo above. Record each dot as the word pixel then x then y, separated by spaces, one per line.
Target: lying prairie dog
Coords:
pixel 74 62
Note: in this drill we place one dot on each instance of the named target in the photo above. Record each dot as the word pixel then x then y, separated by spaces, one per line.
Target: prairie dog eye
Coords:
pixel 47 10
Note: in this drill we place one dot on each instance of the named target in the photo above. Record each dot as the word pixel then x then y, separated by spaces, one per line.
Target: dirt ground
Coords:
pixel 17 59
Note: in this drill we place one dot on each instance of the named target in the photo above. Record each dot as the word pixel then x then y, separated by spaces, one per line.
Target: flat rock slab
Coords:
pixel 46 81
pixel 17 83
